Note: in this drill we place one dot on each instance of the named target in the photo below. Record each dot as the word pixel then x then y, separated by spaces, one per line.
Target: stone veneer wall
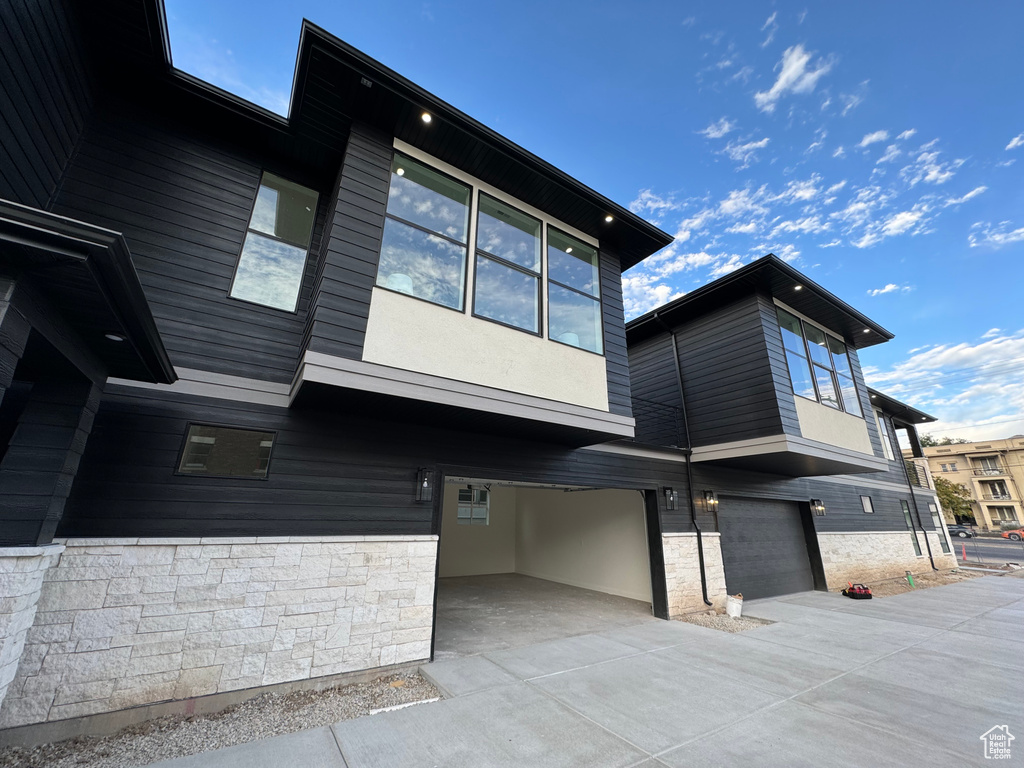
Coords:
pixel 21 578
pixel 124 622
pixel 861 557
pixel 682 572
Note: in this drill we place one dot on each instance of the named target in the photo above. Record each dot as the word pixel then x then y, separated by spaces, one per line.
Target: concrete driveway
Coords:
pixel 900 681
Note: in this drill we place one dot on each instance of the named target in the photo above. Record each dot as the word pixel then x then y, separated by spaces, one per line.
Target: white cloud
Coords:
pixel 642 293
pixel 1006 163
pixel 819 141
pixel 653 206
pixel 853 100
pixel 974 389
pixel 891 153
pixel 796 75
pixel 969 196
pixel 874 137
pixel 750 228
pixel 743 74
pixel 906 134
pixel 991 332
pixel 901 222
pixel 984 233
pixel 731 264
pixel 832 244
pixel 890 288
pixel 929 169
pixel 840 152
pixel 1016 141
pixel 771 27
pixel 811 225
pixel 719 129
pixel 745 153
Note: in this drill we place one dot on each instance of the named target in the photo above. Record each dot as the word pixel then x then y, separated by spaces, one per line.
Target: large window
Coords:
pixel 819 364
pixel 507 266
pixel 910 527
pixel 574 292
pixel 425 250
pixel 273 257
pixel 426 231
pixel 225 452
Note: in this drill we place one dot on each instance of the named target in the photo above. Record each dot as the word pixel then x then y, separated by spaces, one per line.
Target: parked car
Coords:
pixel 1017 534
pixel 960 530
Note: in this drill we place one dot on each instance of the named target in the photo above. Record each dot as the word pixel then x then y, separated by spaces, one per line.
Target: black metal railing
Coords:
pixel 917 475
pixel 657 423
pixel 983 471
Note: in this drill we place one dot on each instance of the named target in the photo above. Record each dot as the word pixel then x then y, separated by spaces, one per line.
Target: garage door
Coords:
pixel 763 548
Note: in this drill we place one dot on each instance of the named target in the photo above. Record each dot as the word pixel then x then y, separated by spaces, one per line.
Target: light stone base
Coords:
pixel 865 557
pixel 21 578
pixel 126 622
pixel 682 572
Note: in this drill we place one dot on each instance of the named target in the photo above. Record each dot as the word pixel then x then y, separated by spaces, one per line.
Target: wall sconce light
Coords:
pixel 424 485
pixel 711 501
pixel 671 499
pixel 818 507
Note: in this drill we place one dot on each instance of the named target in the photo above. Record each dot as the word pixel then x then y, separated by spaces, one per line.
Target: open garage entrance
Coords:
pixel 765 547
pixel 522 564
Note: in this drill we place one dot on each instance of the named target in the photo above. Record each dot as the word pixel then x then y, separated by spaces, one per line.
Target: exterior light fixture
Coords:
pixel 400 171
pixel 873 397
pixel 366 82
pixel 424 485
pixel 798 287
pixel 569 249
pixel 671 499
pixel 425 117
pixel 710 501
pixel 114 337
pixel 867 330
pixel 608 219
pixel 818 507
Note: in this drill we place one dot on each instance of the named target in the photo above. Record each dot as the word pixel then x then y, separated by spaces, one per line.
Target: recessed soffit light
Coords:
pixel 114 336
pixel 867 330
pixel 798 287
pixel 608 219
pixel 569 249
pixel 425 117
pixel 400 171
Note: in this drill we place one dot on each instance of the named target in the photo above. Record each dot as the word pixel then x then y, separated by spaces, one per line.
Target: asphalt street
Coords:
pixel 992 551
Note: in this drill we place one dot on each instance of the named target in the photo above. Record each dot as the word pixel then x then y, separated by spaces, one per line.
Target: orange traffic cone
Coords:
pixel 963 548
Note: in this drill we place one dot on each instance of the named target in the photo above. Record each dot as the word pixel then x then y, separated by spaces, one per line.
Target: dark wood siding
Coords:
pixel 657 402
pixel 779 367
pixel 729 387
pixel 45 98
pixel 615 335
pixel 329 474
pixel 183 204
pixel 351 248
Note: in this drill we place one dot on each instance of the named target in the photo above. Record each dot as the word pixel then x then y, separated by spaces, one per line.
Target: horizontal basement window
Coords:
pixel 226 452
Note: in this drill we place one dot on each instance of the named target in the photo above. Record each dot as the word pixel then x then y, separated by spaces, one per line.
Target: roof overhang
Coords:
pixel 771 275
pixel 86 275
pixel 902 414
pixel 788 455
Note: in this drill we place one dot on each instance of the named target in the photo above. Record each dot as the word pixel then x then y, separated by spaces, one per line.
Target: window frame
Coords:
pixel 905 507
pixel 184 444
pixel 885 435
pixel 249 230
pixel 479 252
pixel 473 505
pixel 867 505
pixel 812 363
pixel 478 188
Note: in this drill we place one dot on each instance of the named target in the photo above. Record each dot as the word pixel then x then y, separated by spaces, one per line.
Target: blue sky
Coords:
pixel 877 148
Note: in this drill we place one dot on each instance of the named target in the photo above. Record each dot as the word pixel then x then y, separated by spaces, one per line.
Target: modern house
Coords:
pixel 993 472
pixel 267 380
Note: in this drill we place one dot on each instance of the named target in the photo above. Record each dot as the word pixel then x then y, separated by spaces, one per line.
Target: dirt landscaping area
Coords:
pixel 899 585
pixel 259 718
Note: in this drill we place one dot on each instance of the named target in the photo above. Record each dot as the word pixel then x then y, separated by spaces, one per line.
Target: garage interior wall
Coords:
pixel 590 539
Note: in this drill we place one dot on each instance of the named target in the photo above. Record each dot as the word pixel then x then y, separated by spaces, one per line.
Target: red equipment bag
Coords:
pixel 858 591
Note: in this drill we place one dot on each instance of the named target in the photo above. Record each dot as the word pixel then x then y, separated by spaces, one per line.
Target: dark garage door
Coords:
pixel 763 548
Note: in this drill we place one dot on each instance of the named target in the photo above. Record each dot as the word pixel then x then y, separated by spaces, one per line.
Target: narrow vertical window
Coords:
pixel 939 528
pixel 507 278
pixel 273 257
pixel 796 355
pixel 886 437
pixel 574 292
pixel 865 502
pixel 910 527
pixel 426 231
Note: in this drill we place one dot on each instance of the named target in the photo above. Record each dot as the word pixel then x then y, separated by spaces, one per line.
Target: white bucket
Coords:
pixel 734 605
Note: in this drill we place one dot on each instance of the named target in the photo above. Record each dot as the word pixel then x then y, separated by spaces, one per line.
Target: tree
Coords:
pixel 927 441
pixel 955 499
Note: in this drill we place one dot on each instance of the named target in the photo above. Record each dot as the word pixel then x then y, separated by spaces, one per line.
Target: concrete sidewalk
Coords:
pixel 909 680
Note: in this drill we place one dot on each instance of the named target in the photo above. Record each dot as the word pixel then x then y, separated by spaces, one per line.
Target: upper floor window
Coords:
pixel 885 435
pixel 427 241
pixel 273 257
pixel 426 232
pixel 819 364
pixel 951 467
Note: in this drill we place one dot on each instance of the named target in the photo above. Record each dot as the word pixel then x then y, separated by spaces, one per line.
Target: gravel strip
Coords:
pixel 898 586
pixel 262 717
pixel 723 622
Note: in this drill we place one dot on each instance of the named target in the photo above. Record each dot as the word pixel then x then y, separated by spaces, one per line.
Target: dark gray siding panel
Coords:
pixel 183 204
pixel 730 390
pixel 329 473
pixel 45 99
pixel 614 335
pixel 351 249
pixel 779 368
pixel 657 403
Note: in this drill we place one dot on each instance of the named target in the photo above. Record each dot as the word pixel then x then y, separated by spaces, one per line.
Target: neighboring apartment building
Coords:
pixel 993 471
pixel 265 380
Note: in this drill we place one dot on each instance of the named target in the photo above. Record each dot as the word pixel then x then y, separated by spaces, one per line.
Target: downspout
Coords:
pixel 689 469
pixel 917 511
